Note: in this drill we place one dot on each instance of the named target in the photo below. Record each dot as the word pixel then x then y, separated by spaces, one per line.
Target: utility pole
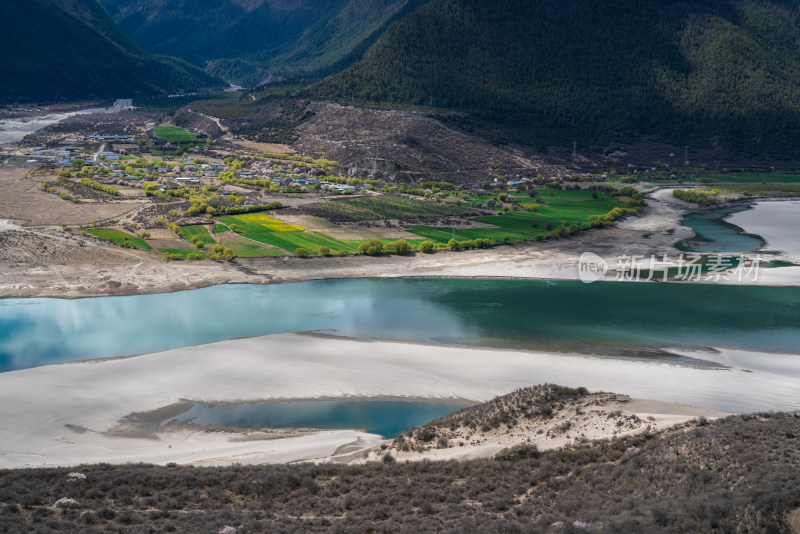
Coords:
pixel 430 106
pixel 574 149
pixel 686 156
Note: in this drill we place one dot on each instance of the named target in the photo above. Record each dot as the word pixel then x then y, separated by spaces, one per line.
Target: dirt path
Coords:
pixel 96 156
pixel 252 145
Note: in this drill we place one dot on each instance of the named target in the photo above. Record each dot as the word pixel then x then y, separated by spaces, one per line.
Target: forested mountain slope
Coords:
pixel 70 49
pixel 245 41
pixel 687 72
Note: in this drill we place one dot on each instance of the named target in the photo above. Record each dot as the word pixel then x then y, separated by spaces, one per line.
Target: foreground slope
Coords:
pixel 737 474
pixel 70 49
pixel 688 72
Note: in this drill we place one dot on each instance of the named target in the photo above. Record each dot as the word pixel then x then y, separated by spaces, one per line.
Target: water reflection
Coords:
pixel 565 316
pixel 385 417
pixel 715 234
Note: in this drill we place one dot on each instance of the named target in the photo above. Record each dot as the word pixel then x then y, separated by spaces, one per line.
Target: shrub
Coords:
pixel 426 247
pixel 518 453
pixel 302 252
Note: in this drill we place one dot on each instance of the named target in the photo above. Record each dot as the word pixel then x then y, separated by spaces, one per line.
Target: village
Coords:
pixel 160 187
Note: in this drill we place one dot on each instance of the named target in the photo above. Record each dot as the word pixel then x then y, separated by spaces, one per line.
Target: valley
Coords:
pixel 399 265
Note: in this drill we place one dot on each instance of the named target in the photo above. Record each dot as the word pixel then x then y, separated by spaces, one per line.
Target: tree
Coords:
pixel 426 247
pixel 373 247
pixel 302 252
pixel 401 246
pixel 325 251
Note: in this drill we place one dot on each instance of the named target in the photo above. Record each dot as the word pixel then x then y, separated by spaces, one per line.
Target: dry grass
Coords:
pixel 737 474
pixel 22 200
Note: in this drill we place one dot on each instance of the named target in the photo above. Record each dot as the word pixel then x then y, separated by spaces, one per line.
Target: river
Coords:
pixel 14 130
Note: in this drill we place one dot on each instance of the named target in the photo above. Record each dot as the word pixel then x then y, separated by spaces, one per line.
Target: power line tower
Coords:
pixel 686 156
pixel 574 149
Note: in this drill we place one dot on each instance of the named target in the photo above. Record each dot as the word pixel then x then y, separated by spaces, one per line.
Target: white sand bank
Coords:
pixel 71 413
pixel 778 222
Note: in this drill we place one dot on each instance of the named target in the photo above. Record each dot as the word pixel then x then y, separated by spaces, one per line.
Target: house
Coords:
pixel 187 180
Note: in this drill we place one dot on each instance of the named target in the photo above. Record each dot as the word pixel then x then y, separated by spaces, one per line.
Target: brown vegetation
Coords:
pixel 737 474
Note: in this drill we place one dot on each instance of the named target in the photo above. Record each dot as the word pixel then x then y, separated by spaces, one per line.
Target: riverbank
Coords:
pixel 47 262
pixel 109 410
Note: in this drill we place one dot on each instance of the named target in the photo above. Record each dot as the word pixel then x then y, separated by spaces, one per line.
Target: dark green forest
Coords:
pixel 245 42
pixel 68 49
pixel 687 72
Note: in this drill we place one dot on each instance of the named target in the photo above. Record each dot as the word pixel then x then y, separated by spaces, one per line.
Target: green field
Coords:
pixel 248 249
pixel 752 190
pixel 292 240
pixel 383 207
pixel 562 207
pixel 197 231
pixel 755 177
pixel 174 134
pixel 120 238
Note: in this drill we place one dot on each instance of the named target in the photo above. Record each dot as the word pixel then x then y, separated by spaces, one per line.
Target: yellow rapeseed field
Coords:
pixel 272 223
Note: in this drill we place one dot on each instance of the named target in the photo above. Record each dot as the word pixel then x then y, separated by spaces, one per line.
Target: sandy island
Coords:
pixel 109 410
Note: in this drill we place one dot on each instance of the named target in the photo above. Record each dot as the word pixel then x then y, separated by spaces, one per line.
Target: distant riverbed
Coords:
pixel 14 130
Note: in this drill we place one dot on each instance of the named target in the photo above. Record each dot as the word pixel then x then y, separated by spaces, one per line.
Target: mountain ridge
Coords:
pixel 69 49
pixel 688 72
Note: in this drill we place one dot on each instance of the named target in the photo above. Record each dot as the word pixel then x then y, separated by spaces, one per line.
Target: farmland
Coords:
pixel 270 231
pixel 284 236
pixel 382 207
pixel 120 238
pixel 553 208
pixel 174 134
pixel 534 217
pixel 197 231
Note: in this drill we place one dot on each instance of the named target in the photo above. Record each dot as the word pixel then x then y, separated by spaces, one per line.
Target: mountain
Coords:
pixel 70 49
pixel 252 41
pixel 714 72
